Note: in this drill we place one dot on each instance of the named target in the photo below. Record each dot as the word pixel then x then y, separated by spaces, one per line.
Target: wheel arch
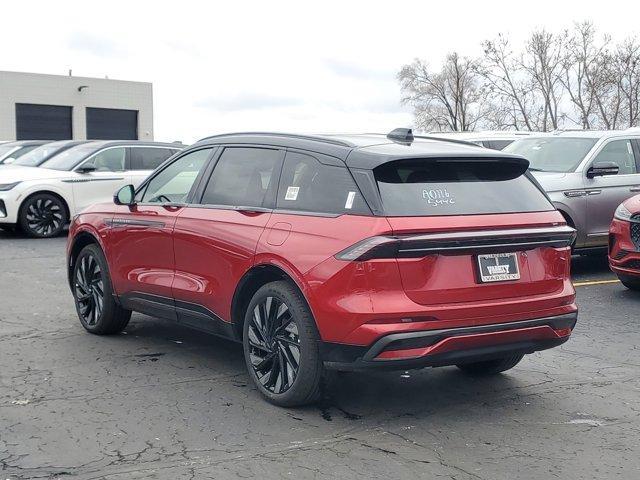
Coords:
pixel 249 284
pixel 81 240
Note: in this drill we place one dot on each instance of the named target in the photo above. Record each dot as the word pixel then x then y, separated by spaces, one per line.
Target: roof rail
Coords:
pixel 449 140
pixel 316 138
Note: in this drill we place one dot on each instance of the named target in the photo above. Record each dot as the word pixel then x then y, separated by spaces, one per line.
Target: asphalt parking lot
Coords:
pixel 164 402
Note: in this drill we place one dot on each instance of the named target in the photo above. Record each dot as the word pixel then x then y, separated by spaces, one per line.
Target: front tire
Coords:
pixel 43 215
pixel 632 283
pixel 281 346
pixel 490 367
pixel 97 310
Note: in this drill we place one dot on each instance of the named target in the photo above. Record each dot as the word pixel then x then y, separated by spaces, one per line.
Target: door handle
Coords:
pixel 594 192
pixel 634 189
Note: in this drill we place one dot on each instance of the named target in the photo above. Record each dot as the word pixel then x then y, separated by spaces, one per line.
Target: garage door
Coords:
pixel 112 124
pixel 43 122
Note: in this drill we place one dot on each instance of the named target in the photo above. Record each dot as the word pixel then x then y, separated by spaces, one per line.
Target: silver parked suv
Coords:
pixel 587 174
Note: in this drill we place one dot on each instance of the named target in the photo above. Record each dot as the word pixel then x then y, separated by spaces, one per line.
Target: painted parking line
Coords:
pixel 595 282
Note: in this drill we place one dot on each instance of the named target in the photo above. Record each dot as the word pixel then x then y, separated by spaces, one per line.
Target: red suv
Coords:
pixel 624 243
pixel 334 252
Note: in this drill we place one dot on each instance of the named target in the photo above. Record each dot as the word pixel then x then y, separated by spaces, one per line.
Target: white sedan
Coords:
pixel 41 200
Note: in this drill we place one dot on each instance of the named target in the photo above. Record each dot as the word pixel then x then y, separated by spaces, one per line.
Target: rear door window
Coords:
pixel 310 186
pixel 243 177
pixel 427 187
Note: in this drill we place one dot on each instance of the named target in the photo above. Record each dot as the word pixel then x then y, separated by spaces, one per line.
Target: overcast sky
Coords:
pixel 298 66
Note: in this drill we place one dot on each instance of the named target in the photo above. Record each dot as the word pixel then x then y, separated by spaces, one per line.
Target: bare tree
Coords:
pixel 507 85
pixel 586 76
pixel 451 99
pixel 574 77
pixel 627 72
pixel 543 60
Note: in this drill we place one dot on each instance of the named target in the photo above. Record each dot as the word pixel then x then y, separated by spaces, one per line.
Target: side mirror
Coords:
pixel 9 161
pixel 125 196
pixel 600 169
pixel 86 169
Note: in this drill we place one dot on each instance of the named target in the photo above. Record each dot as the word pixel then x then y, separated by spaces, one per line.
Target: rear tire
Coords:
pixel 97 310
pixel 631 283
pixel 43 216
pixel 490 367
pixel 281 346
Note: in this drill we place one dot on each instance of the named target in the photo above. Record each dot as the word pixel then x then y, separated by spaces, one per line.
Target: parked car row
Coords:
pixel 11 151
pixel 40 191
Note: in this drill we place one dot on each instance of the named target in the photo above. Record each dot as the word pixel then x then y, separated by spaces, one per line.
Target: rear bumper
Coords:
pixel 433 348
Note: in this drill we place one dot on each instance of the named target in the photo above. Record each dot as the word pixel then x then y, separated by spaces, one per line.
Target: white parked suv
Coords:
pixel 587 174
pixel 41 200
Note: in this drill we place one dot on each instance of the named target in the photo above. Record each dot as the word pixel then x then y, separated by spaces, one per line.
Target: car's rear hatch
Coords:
pixel 471 230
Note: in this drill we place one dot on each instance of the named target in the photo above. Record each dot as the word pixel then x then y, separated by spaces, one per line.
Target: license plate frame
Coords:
pixel 498 267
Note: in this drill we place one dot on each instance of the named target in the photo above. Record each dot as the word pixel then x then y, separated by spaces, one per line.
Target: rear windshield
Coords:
pixel 444 187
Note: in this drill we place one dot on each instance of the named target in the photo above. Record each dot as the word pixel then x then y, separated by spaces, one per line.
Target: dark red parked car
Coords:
pixel 624 243
pixel 334 252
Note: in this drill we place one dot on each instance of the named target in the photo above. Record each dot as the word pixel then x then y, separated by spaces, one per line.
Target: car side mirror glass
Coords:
pixel 600 169
pixel 125 196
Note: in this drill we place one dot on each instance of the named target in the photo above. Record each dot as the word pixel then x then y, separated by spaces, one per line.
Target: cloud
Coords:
pixel 358 71
pixel 248 101
pixel 97 46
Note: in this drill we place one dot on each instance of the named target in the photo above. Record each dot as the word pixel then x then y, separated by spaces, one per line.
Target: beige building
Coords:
pixel 57 107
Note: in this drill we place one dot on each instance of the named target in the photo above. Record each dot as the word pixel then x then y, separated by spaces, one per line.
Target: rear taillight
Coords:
pixel 459 243
pixel 370 248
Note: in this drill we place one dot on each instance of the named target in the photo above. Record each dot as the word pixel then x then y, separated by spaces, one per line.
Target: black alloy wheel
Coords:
pixel 97 309
pixel 274 345
pixel 43 215
pixel 89 290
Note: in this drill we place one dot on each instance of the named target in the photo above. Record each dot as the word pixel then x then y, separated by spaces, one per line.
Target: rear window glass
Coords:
pixel 446 187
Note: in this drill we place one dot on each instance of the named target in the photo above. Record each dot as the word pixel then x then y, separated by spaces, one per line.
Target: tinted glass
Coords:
pixel 108 160
pixel 70 158
pixel 5 149
pixel 498 144
pixel 242 177
pixel 174 182
pixel 19 152
pixel 41 154
pixel 428 187
pixel 149 158
pixel 308 185
pixel 553 154
pixel 619 152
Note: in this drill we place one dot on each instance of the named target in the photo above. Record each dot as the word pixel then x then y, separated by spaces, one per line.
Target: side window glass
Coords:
pixel 308 185
pixel 619 152
pixel 242 177
pixel 173 183
pixel 148 158
pixel 109 160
